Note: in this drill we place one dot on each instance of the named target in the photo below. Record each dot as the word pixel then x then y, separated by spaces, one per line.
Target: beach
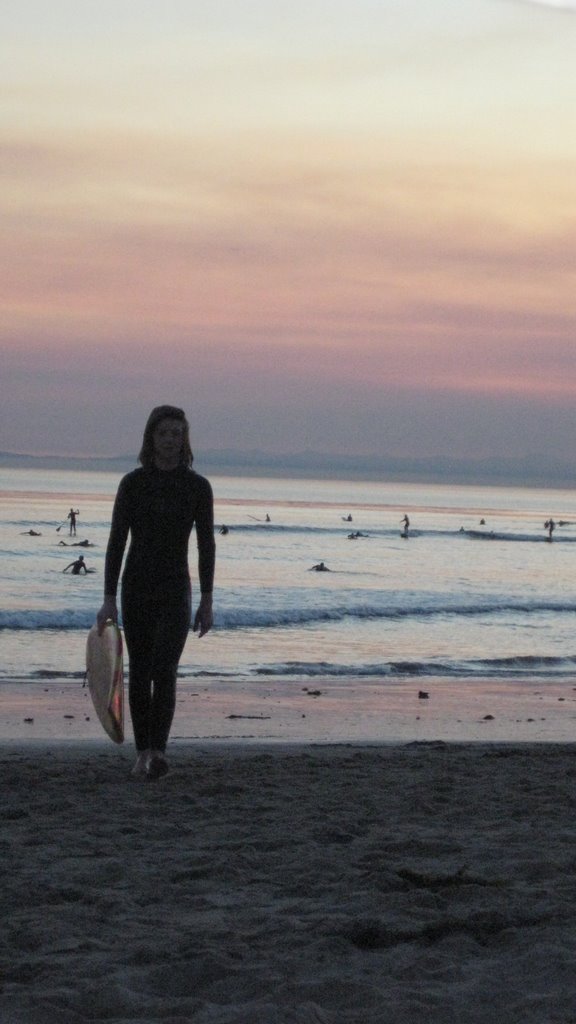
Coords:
pixel 319 710
pixel 391 883
pixel 369 813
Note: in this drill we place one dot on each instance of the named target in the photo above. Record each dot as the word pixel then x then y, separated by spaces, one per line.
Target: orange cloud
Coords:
pixel 436 274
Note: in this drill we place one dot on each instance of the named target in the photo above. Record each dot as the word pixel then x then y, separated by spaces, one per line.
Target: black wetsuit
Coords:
pixel 158 508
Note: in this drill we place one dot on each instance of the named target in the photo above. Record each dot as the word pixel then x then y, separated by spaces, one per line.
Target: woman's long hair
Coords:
pixel 165 412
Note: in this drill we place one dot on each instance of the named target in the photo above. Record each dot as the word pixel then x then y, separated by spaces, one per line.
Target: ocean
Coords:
pixel 457 597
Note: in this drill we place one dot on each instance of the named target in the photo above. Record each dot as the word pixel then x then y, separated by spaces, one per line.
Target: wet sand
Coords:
pixel 317 711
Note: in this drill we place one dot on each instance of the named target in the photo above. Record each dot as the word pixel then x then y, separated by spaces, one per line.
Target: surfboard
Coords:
pixel 105 677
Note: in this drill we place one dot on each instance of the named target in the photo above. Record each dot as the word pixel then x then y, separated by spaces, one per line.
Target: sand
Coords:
pixel 399 883
pixel 320 710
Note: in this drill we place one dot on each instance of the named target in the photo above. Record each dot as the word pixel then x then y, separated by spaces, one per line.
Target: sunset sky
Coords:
pixel 344 226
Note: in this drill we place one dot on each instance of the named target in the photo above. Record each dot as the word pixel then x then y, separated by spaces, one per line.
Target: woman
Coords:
pixel 158 504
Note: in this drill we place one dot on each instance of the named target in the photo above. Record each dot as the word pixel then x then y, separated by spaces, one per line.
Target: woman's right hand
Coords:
pixel 108 611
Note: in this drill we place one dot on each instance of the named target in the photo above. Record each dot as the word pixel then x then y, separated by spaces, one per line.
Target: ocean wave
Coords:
pixel 344 529
pixel 384 607
pixel 522 538
pixel 253 618
pixel 529 667
pixel 35 620
pixel 489 667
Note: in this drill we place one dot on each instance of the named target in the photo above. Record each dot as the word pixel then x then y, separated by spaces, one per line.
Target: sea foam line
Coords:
pixel 239 617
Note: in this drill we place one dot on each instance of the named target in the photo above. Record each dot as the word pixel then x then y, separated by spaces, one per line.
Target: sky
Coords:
pixel 341 226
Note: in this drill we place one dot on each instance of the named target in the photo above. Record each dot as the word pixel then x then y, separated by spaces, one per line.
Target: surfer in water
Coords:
pixel 157 505
pixel 72 516
pixel 77 567
pixel 76 544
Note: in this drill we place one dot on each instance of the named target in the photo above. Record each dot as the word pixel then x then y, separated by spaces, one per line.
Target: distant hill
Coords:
pixel 531 471
pixel 86 463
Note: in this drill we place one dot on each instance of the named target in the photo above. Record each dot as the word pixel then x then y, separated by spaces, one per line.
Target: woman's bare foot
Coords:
pixel 157 765
pixel 141 763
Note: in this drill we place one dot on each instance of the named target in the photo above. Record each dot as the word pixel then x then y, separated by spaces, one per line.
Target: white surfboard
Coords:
pixel 105 677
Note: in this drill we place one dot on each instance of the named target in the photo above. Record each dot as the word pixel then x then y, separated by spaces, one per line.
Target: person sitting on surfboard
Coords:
pixel 77 566
pixel 157 505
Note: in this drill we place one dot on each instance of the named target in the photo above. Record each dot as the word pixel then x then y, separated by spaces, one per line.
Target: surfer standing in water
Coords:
pixel 550 526
pixel 73 516
pixel 158 504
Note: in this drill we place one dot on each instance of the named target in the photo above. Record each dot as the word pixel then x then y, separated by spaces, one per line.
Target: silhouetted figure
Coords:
pixel 157 506
pixel 72 516
pixel 550 525
pixel 77 566
pixel 319 567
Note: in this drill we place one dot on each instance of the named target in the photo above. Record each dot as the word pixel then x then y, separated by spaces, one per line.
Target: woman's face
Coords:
pixel 167 439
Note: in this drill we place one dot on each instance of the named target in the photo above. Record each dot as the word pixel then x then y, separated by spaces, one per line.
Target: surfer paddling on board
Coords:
pixel 157 505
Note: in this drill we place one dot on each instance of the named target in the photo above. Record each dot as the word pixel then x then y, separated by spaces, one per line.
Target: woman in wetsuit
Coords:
pixel 158 504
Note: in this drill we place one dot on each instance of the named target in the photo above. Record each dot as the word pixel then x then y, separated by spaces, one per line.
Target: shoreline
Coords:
pixel 331 710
